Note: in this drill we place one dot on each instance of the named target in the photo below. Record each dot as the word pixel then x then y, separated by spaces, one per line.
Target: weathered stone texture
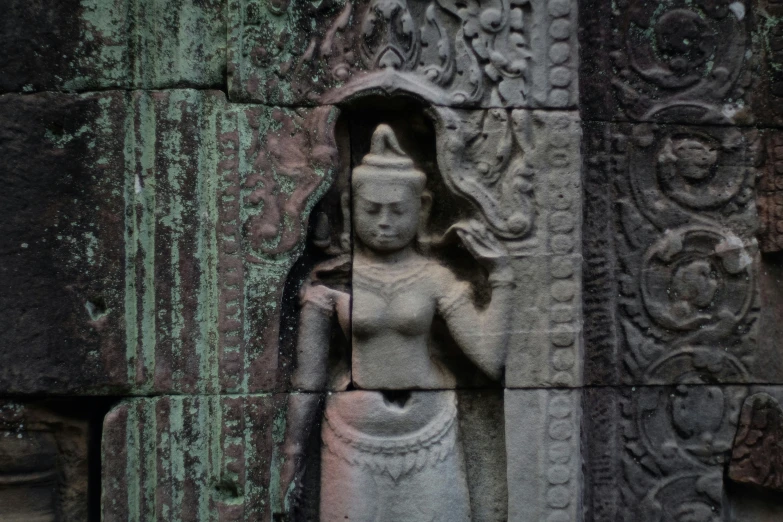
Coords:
pixel 134 238
pixel 43 464
pixel 671 260
pixel 757 455
pixel 770 194
pixel 658 453
pixel 504 53
pixel 681 61
pixel 190 458
pixel 62 236
pixel 77 45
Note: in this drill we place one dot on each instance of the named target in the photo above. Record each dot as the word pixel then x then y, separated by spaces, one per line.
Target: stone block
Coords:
pixel 194 458
pixel 506 53
pixel 147 237
pixel 62 236
pixel 678 61
pixel 78 45
pixel 769 195
pixel 44 463
pixel 672 267
pixel 544 457
pixel 659 452
pixel 767 49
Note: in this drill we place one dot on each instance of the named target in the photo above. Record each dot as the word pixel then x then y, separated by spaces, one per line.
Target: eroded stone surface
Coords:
pixel 190 458
pixel 770 194
pixel 43 464
pixel 757 455
pixel 658 453
pixel 140 227
pixel 62 240
pixel 508 53
pixel 767 89
pixel 676 60
pixel 94 44
pixel 671 280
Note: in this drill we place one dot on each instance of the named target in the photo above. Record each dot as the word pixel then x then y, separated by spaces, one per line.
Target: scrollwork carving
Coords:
pixel 672 61
pixel 694 278
pixel 389 36
pixel 685 252
pixel 486 157
pixel 672 458
pixel 453 53
pixel 292 156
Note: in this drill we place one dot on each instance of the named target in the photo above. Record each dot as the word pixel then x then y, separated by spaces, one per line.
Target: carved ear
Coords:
pixel 424 215
pixel 426 206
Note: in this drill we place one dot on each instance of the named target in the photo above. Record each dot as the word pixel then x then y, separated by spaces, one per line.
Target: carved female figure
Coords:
pixel 391 449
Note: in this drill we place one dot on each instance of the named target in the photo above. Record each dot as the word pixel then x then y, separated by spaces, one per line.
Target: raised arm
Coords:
pixel 482 334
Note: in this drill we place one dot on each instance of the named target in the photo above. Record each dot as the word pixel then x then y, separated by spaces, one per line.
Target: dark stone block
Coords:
pixel 77 45
pixel 45 461
pixel 677 61
pixel 61 243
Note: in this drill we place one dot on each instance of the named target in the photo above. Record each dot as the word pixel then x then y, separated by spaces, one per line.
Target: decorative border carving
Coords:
pixel 472 54
pixel 682 249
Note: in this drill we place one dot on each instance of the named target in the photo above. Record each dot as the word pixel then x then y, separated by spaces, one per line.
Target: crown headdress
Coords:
pixel 386 160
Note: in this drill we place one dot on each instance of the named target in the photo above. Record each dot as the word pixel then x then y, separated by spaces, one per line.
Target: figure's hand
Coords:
pixel 482 244
pixel 290 484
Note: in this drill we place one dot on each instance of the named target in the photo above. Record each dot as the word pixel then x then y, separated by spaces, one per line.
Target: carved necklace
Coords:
pixel 388 281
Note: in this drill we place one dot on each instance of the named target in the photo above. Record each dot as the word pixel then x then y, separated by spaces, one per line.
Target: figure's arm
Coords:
pixel 301 416
pixel 482 334
pixel 319 305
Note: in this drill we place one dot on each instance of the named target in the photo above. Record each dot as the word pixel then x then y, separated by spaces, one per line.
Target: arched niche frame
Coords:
pixel 518 172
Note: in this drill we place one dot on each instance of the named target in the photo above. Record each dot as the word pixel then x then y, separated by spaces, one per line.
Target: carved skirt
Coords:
pixel 384 461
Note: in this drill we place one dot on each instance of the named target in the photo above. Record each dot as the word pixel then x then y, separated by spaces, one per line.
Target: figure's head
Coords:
pixel 389 198
pixel 693 158
pixel 695 283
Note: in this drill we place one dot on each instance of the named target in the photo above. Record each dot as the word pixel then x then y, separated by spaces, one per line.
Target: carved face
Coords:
pixel 386 215
pixel 695 159
pixel 695 283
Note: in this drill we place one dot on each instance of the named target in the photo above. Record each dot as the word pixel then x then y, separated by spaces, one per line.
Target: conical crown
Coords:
pixel 387 161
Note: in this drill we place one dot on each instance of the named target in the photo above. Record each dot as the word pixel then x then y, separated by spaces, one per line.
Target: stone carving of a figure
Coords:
pixel 390 444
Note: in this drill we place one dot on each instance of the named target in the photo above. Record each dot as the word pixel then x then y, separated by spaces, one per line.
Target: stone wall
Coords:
pixel 179 173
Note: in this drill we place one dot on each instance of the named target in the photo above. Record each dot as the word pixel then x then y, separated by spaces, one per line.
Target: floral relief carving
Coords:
pixel 287 164
pixel 686 253
pixel 673 459
pixel 672 61
pixel 487 158
pixel 461 54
